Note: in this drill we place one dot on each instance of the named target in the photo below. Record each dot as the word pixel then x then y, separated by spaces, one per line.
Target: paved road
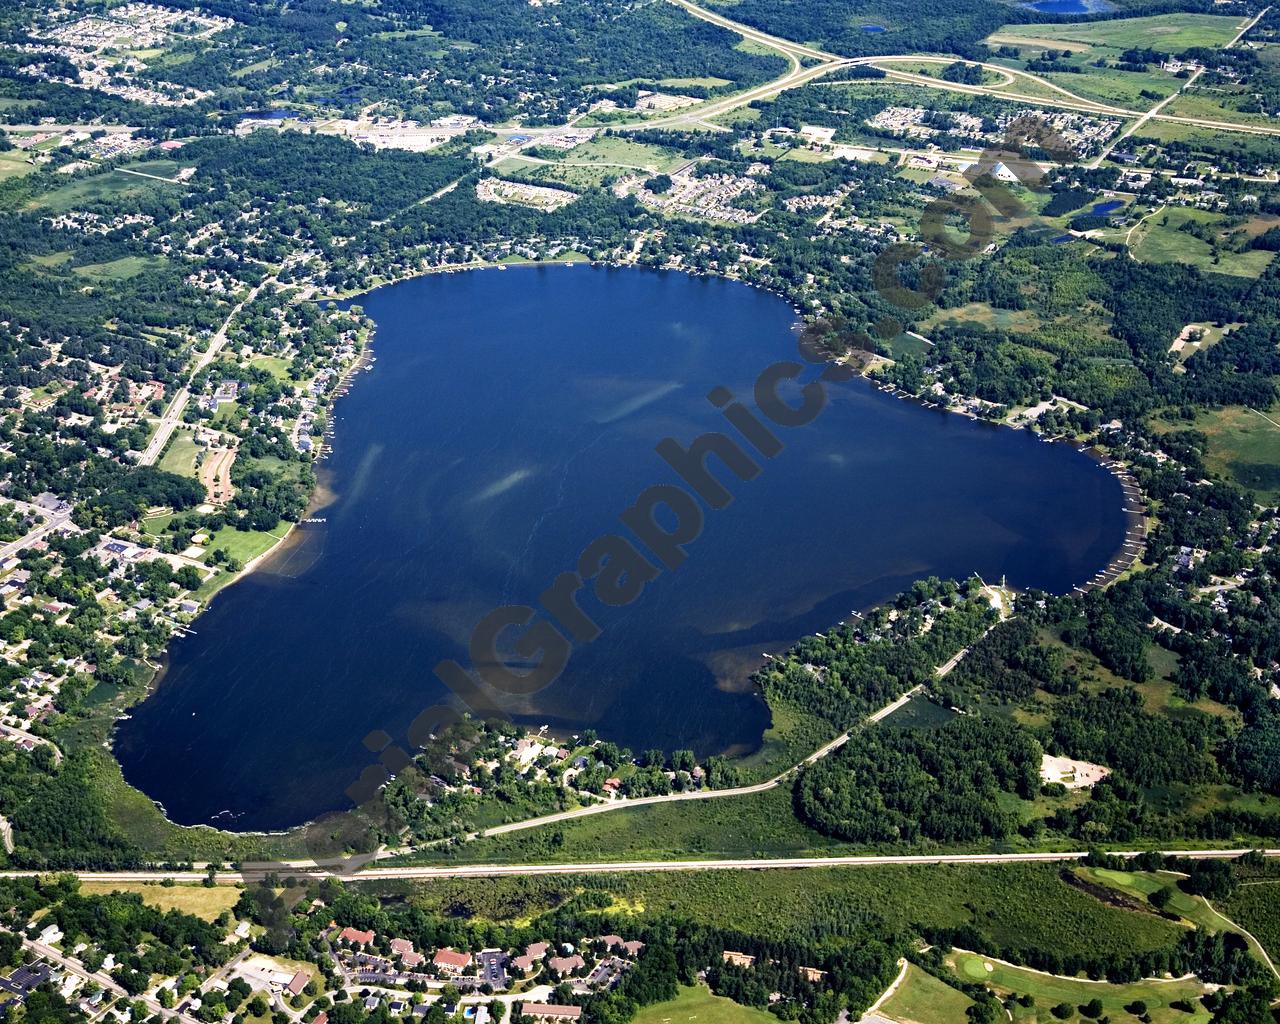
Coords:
pixel 251 874
pixel 172 415
pixel 39 533
pixel 103 980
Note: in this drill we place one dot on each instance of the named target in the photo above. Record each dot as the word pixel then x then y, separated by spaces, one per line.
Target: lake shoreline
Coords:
pixel 318 493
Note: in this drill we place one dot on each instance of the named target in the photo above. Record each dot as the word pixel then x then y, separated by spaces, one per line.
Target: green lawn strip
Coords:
pixel 1052 990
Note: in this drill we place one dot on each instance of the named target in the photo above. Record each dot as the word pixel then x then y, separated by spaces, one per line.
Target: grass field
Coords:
pixel 696 1003
pixel 1169 32
pixel 1244 446
pixel 118 270
pixel 111 185
pixel 1048 991
pixel 246 544
pixel 1217 103
pixel 923 999
pixel 180 454
pixel 1161 240
pixel 198 900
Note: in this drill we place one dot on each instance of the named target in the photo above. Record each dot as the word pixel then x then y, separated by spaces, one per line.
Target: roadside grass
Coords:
pixel 923 999
pixel 698 1003
pixel 1255 906
pixel 758 824
pixel 1049 991
pixel 1211 145
pixel 204 902
pixel 1217 103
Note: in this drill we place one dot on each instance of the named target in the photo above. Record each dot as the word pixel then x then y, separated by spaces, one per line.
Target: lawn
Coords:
pixel 245 544
pixel 1049 991
pixel 204 902
pixel 923 999
pixel 696 1003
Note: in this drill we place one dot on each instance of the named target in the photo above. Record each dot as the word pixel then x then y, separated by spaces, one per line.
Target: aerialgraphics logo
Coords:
pixel 667 518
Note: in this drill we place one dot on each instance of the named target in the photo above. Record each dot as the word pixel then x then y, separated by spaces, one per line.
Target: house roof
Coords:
pixel 552 1010
pixel 451 958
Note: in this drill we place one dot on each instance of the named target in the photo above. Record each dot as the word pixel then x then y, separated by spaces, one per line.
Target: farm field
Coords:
pixel 1050 991
pixel 696 1003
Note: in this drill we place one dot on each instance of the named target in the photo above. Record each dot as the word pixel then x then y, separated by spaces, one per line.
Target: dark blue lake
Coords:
pixel 1070 6
pixel 507 422
pixel 1110 206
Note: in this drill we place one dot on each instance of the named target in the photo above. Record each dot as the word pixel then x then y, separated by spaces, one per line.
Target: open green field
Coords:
pixel 923 999
pixel 97 187
pixel 611 149
pixel 180 454
pixel 1049 990
pixel 1171 33
pixel 983 315
pixel 118 270
pixel 13 164
pixel 198 900
pixel 700 1004
pixel 1160 240
pixel 246 545
pixel 1217 103
pixel 1244 446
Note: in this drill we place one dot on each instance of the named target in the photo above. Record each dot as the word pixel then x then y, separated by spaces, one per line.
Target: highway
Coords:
pixel 254 873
